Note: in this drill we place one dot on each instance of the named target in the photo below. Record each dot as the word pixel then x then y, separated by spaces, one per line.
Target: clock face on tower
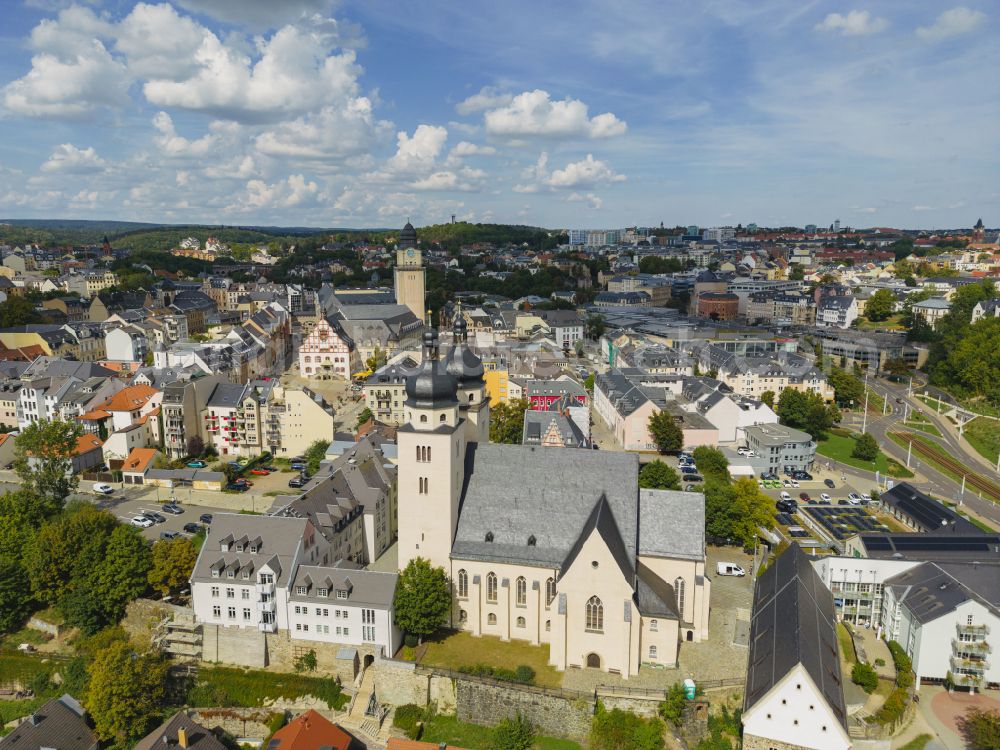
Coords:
pixel 409 253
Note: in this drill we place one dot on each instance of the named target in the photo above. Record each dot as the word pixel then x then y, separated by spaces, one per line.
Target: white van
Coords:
pixel 729 569
pixel 785 496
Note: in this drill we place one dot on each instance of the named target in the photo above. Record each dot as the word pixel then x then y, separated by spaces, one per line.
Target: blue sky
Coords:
pixel 593 113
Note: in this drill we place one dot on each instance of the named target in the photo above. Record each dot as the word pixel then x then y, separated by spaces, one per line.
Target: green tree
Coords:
pixel 363 417
pixel 377 360
pixel 315 454
pixel 864 676
pixel 897 368
pixel 507 422
pixel 98 598
pixel 67 548
pixel 865 448
pixel 711 461
pixel 513 734
pixel 671 710
pixel 656 475
pixel 806 411
pixel 171 563
pixel 589 383
pixel 594 327
pixel 21 515
pixel 768 398
pixel 880 305
pixel 667 434
pixel 17 311
pixel 195 446
pixel 849 390
pixel 127 692
pixel 43 455
pixel 423 598
pixel 720 511
pixel 796 273
pixel 752 509
pixel 981 729
pixel 15 605
pixel 621 730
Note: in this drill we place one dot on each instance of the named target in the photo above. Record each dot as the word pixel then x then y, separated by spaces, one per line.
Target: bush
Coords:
pixel 276 721
pixel 672 709
pixel 620 730
pixel 307 662
pixel 864 675
pixel 409 718
pixel 513 734
pixel 524 674
pixel 411 641
pixel 880 662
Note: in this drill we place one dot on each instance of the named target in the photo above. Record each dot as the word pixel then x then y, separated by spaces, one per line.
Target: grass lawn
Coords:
pixel 846 644
pixel 461 649
pixel 10 710
pixel 876 403
pixel 454 732
pixel 840 447
pixel 884 687
pixel 893 322
pixel 25 635
pixel 903 442
pixel 249 688
pixel 923 427
pixel 984 436
pixel 917 743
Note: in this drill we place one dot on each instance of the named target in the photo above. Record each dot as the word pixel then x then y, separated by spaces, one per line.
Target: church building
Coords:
pixel 557 547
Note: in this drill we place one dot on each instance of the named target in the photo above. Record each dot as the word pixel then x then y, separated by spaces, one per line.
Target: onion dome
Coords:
pixel 431 387
pixel 408 236
pixel 463 364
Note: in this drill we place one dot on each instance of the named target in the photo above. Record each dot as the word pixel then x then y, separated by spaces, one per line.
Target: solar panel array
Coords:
pixel 841 521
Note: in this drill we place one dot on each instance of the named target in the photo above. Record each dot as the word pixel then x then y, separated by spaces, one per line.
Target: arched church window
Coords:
pixel 595 615
pixel 463 583
pixel 491 587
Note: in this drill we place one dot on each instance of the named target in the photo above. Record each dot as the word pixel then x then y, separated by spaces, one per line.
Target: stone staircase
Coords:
pixel 374 726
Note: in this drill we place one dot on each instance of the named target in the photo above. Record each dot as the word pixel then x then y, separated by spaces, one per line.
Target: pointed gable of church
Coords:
pixel 602 521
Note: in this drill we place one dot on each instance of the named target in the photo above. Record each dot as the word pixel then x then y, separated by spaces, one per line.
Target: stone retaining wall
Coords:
pixel 481 703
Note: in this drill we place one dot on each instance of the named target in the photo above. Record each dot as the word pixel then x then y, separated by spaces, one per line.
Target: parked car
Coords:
pixel 786 506
pixel 155 517
pixel 237 487
pixel 854 498
pixel 298 466
pixel 795 483
pixel 235 465
pixel 270 468
pixel 786 483
pixel 259 472
pixel 866 498
pixel 743 451
pixel 804 475
pixel 843 501
pixel 104 489
pixel 829 483
pixel 141 521
pixel 729 569
pixel 172 508
pixel 689 469
pixel 296 482
pixel 693 478
pixel 192 528
pixel 785 496
pixel 825 498
pixel 196 464
pixel 804 497
pixel 205 518
pixel 169 534
pixel 690 488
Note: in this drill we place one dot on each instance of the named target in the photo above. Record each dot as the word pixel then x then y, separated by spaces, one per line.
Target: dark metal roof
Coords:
pixel 793 622
pixel 432 386
pixel 60 724
pixel 929 513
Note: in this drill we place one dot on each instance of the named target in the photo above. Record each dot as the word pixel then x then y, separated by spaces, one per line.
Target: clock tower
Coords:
pixel 410 273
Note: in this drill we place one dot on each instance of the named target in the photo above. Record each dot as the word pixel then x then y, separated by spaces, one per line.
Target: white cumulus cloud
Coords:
pixel 585 173
pixel 345 130
pixel 419 151
pixel 534 113
pixel 176 145
pixel 855 23
pixel 67 158
pixel 954 22
pixel 487 98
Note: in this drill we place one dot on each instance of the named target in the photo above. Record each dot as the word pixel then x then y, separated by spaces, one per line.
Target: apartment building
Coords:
pixel 782 447
pixel 385 391
pixel 182 407
pixel 752 374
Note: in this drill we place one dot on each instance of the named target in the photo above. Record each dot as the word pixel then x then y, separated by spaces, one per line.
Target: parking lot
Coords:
pixel 126 504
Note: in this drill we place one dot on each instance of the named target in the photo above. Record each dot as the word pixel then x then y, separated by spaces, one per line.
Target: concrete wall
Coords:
pixel 553 715
pixel 244 647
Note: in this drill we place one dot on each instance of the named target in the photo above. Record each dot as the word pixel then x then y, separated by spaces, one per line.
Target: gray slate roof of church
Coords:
pixel 672 524
pixel 518 491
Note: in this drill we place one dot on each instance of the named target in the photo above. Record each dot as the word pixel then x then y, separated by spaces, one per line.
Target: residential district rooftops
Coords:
pixel 793 622
pixel 312 731
pixel 59 724
pixel 935 589
pixel 246 544
pixel 362 586
pixel 180 732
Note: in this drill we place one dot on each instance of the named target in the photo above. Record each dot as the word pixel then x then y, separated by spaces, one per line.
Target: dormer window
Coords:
pixel 301 590
pixel 341 593
pixel 231 573
pixel 253 549
pixel 323 593
pixel 224 546
pixel 489 536
pixel 215 573
pixel 531 540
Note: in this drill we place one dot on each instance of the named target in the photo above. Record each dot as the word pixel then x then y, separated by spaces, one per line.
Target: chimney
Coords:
pixel 182 737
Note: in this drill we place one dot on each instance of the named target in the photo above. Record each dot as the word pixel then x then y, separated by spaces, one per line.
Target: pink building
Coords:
pixel 326 354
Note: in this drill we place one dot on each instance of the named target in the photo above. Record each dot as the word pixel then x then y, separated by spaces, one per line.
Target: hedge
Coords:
pixel 523 675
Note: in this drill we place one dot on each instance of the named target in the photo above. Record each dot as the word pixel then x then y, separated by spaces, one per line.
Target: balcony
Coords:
pixel 268 606
pixel 970 647
pixel 267 627
pixel 265 588
pixel 978 630
pixel 969 666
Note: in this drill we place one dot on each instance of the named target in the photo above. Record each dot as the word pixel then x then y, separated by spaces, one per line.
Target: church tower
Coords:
pixel 410 274
pixel 468 371
pixel 431 461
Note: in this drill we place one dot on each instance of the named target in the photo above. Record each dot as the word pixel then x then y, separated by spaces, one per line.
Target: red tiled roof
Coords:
pixel 139 460
pixel 398 743
pixel 87 443
pixel 311 731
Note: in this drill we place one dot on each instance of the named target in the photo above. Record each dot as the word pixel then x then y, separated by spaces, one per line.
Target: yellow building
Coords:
pixel 496 386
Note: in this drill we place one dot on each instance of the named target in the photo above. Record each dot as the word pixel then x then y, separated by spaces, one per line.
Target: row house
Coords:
pixel 385 391
pixel 182 406
pixel 752 375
